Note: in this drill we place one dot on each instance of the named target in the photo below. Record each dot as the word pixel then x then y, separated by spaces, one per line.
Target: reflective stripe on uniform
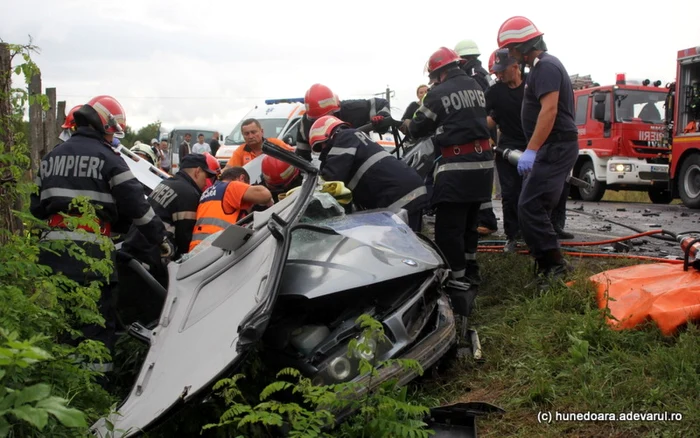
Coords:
pixel 486 205
pixel 406 199
pixel 100 367
pixel 169 228
pixel 473 165
pixel 303 146
pixel 146 218
pixel 121 178
pixel 37 181
pixel 469 256
pixel 372 108
pixel 75 236
pixel 371 161
pixel 184 215
pixel 57 192
pixel 341 151
pixel 426 111
pixel 212 221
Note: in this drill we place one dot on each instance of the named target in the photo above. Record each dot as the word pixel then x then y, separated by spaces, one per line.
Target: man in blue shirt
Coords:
pixel 552 142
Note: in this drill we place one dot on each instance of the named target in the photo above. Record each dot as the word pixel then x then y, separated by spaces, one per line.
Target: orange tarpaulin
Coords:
pixel 663 292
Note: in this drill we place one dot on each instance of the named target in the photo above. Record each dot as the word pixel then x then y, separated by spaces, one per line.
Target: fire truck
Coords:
pixel 682 127
pixel 621 133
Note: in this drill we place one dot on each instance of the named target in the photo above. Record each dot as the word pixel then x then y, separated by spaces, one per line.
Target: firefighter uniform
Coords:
pixel 356 112
pixel 463 177
pixel 85 165
pixel 220 206
pixel 377 179
pixel 553 161
pixel 474 69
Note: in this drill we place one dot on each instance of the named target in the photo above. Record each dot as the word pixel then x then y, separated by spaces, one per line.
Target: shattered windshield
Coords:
pixel 271 128
pixel 637 105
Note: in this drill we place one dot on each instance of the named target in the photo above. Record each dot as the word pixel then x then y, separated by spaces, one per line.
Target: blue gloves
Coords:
pixel 526 161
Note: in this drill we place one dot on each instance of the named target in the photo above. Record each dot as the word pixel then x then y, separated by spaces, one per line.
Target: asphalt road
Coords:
pixel 645 217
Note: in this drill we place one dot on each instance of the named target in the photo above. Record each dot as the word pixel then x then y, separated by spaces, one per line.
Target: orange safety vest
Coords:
pixel 244 155
pixel 211 217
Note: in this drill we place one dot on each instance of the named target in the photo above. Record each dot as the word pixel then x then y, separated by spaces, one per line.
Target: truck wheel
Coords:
pixel 689 181
pixel 597 190
pixel 660 196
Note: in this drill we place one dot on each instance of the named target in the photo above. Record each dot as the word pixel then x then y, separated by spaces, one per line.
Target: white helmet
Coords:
pixel 146 150
pixel 467 48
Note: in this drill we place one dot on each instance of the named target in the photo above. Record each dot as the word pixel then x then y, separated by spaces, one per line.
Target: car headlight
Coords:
pixel 620 167
pixel 341 367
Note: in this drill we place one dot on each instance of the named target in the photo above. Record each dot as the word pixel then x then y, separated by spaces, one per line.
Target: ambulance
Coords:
pixel 280 118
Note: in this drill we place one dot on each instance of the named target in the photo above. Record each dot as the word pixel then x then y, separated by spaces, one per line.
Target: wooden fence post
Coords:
pixel 50 127
pixel 8 220
pixel 60 115
pixel 36 123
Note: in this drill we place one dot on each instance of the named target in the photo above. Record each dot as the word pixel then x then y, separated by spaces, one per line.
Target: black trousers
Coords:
pixel 456 235
pixel 541 192
pixel 559 212
pixel 511 186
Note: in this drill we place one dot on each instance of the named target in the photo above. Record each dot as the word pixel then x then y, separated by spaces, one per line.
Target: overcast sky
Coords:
pixel 208 62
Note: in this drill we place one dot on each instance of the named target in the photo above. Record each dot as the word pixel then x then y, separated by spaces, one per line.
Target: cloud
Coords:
pixel 209 62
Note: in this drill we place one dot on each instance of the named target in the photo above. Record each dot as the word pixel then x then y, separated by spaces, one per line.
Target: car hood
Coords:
pixel 353 251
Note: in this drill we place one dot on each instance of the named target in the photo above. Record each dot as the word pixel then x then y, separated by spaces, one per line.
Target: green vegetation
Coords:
pixel 553 352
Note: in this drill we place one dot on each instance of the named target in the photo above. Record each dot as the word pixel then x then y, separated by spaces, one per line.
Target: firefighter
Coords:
pixel 279 177
pixel 174 201
pixel 86 165
pixel 321 101
pixel 377 179
pixel 226 202
pixel 552 142
pixel 145 152
pixel 68 125
pixel 469 54
pixel 503 103
pixel 454 110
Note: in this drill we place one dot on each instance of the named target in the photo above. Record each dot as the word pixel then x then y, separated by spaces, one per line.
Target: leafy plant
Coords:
pixel 29 405
pixel 293 406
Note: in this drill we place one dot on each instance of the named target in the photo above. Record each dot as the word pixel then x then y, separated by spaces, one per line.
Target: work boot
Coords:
pixel 472 274
pixel 563 235
pixel 510 246
pixel 553 269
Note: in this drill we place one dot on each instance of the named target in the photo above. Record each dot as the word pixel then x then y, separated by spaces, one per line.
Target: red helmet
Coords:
pixel 111 114
pixel 441 58
pixel 320 101
pixel 276 173
pixel 492 61
pixel 516 30
pixel 322 130
pixel 213 163
pixel 69 123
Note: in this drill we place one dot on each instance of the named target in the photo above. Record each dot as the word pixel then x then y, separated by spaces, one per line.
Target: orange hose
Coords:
pixel 619 239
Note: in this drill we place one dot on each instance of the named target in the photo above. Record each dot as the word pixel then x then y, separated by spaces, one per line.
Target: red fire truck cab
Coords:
pixel 621 132
pixel 683 123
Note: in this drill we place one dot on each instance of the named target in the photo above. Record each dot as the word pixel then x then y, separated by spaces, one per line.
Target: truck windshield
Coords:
pixel 637 105
pixel 270 127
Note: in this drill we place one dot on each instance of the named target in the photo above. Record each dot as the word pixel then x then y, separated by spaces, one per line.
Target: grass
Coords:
pixel 631 196
pixel 553 352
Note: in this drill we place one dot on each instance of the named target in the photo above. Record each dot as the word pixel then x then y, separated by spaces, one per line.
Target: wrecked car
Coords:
pixel 295 278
